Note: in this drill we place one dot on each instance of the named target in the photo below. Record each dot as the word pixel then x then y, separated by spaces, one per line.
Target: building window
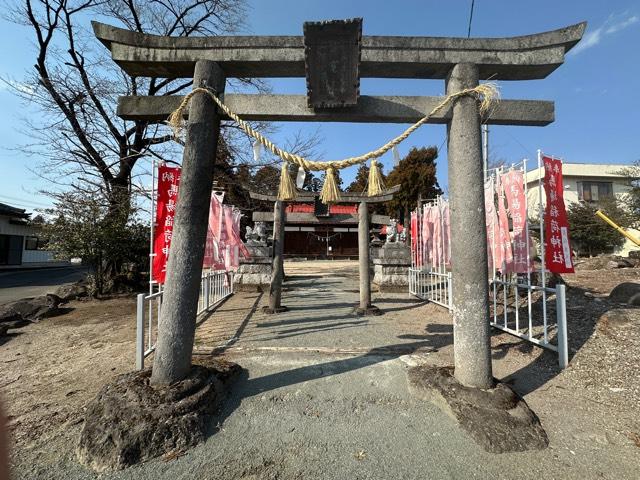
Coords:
pixel 31 243
pixel 594 191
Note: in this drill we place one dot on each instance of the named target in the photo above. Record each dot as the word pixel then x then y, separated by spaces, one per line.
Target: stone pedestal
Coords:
pixel 254 273
pixel 391 265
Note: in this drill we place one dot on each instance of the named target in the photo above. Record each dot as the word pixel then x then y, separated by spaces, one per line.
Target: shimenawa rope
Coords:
pixel 485 93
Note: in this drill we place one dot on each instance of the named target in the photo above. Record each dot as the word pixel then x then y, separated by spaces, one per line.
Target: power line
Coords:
pixel 23 202
pixel 25 207
pixel 470 19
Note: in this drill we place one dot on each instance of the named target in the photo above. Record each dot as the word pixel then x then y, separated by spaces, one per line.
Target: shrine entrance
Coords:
pixel 333 56
pixel 363 217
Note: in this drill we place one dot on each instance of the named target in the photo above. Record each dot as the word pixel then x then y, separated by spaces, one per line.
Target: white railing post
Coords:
pixel 207 290
pixel 561 317
pixel 140 332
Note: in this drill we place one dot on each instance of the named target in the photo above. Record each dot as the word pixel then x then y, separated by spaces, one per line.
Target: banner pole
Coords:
pixel 543 274
pixel 528 239
pixel 153 199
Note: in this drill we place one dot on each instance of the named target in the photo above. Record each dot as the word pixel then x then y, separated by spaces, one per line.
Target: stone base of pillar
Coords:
pixel 498 419
pixel 128 422
pixel 371 310
pixel 391 265
pixel 271 311
pixel 254 273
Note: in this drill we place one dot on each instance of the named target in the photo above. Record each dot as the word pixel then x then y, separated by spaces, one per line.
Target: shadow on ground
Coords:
pixel 583 314
pixel 245 387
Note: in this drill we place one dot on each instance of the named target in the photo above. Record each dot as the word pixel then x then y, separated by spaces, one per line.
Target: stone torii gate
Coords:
pixel 333 56
pixel 275 292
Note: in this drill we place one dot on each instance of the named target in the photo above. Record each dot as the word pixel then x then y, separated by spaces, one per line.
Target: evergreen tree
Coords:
pixel 589 234
pixel 312 183
pixel 631 199
pixel 416 175
pixel 266 179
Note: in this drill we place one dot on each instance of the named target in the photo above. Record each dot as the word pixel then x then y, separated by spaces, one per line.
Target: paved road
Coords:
pixel 31 283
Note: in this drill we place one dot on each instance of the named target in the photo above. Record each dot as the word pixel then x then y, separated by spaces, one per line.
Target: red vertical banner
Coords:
pixel 414 238
pixel 211 254
pixel 513 183
pixel 238 245
pixel 446 234
pixel 436 244
pixel 168 184
pixel 427 236
pixel 233 241
pixel 504 239
pixel 491 223
pixel 556 224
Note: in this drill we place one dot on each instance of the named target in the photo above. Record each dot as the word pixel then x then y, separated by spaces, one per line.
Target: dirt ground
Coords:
pixel 51 369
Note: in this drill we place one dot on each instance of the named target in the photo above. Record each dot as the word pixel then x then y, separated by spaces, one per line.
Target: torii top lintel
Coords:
pixel 515 58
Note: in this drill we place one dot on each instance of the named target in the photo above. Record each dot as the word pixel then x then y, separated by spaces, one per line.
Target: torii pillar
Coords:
pixel 177 319
pixel 277 269
pixel 471 338
pixel 365 307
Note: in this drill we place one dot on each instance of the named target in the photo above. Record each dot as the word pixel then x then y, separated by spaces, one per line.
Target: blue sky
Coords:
pixel 595 91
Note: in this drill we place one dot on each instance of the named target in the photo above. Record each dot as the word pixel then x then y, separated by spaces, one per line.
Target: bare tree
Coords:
pixel 81 145
pixel 76 85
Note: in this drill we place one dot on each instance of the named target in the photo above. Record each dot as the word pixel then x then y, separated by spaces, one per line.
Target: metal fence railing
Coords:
pixel 521 304
pixel 530 312
pixel 214 287
pixel 431 285
pixel 430 272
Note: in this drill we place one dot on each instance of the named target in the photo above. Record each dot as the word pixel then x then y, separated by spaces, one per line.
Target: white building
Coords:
pixel 20 242
pixel 586 182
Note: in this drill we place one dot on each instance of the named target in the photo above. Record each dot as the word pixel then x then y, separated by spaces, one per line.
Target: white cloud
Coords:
pixel 622 25
pixel 614 24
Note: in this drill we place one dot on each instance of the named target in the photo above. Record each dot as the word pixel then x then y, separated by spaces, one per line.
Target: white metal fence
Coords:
pixel 214 287
pixel 431 285
pixel 521 304
pixel 532 312
pixel 430 275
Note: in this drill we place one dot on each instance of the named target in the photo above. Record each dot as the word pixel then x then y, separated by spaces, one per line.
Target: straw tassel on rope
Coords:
pixel 376 184
pixel 287 190
pixel 330 192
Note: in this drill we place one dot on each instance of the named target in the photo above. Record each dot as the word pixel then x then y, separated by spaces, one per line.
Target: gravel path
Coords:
pixel 327 397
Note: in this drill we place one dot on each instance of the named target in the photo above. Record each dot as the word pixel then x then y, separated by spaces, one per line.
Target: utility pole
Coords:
pixel 485 150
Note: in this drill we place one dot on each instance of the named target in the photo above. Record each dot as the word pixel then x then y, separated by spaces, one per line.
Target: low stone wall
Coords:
pixel 391 265
pixel 254 273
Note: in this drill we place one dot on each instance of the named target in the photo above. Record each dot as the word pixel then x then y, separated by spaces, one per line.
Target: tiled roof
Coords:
pixel 10 211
